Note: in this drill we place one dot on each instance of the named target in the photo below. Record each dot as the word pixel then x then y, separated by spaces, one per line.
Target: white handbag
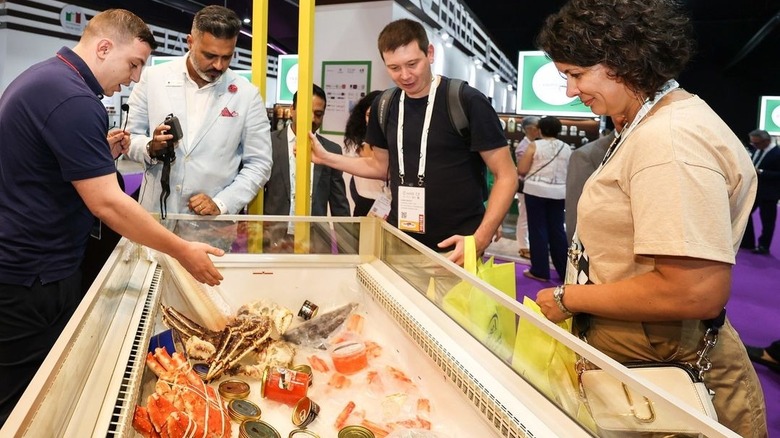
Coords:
pixel 615 407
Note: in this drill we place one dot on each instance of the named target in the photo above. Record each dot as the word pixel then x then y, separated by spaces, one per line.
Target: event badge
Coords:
pixel 411 209
pixel 381 206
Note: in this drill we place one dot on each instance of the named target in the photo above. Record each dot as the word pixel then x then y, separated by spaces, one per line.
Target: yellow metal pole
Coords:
pixel 259 73
pixel 303 124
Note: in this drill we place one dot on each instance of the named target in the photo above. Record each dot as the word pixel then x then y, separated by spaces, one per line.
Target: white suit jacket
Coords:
pixel 235 133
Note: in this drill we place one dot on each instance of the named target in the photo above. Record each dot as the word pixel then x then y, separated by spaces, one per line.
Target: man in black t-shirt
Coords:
pixel 437 178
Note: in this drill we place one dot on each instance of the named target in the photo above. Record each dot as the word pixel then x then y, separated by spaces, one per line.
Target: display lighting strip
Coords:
pixel 122 417
pixel 506 424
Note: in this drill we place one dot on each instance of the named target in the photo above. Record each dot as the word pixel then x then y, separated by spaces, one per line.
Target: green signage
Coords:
pixel 541 89
pixel 769 114
pixel 287 80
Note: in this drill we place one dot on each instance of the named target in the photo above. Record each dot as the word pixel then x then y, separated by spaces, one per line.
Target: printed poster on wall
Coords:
pixel 541 90
pixel 769 115
pixel 345 83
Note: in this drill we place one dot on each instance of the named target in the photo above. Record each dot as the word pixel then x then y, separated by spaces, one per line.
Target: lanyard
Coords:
pixel 763 155
pixel 668 87
pixel 424 135
pixel 62 58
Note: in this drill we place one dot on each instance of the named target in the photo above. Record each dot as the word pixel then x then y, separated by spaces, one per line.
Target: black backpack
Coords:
pixel 454 100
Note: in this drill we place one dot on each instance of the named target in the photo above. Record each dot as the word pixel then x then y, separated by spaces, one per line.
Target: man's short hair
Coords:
pixel 120 25
pixel 760 133
pixel 217 20
pixel 316 91
pixel 400 33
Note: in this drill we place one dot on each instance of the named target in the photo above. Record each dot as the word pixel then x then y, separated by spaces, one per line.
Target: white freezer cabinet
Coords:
pixel 95 375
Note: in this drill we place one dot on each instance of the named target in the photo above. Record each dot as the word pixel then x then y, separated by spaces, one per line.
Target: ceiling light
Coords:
pixel 445 36
pixel 247 20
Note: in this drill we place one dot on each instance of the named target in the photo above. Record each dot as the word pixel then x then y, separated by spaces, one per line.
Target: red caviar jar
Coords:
pixel 284 385
pixel 349 357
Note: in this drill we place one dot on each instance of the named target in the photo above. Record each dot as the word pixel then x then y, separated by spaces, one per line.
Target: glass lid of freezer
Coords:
pixel 320 324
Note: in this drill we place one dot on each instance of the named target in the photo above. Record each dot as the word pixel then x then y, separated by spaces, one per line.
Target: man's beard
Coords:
pixel 201 74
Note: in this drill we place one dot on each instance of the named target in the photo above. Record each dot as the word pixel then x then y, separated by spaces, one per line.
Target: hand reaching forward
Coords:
pixel 195 259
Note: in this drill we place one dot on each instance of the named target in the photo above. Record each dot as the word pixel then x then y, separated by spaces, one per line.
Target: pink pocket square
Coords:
pixel 227 113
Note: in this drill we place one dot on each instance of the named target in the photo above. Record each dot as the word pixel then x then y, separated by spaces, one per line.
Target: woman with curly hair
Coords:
pixel 660 222
pixel 362 190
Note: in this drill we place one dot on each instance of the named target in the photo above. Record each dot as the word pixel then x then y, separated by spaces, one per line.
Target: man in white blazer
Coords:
pixel 224 155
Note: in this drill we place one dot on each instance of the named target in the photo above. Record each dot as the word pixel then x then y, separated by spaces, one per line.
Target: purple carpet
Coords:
pixel 752 310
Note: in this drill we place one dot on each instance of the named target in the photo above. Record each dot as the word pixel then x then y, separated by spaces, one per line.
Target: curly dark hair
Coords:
pixel 644 42
pixel 355 130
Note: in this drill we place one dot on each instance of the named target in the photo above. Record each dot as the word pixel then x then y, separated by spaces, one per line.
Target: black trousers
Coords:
pixel 546 235
pixel 31 320
pixel 767 211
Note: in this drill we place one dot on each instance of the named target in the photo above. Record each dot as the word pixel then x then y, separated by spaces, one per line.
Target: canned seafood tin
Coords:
pixel 308 310
pixel 305 369
pixel 302 433
pixel 305 412
pixel 257 429
pixel 355 432
pixel 234 389
pixel 243 410
pixel 201 369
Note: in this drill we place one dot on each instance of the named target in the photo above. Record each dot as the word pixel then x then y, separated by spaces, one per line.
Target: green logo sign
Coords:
pixel 287 80
pixel 769 114
pixel 542 90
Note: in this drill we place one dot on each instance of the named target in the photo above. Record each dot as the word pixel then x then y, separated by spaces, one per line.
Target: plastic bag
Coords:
pixel 490 322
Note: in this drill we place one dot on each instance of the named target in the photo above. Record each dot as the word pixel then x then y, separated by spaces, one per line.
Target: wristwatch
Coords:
pixel 558 297
pixel 149 152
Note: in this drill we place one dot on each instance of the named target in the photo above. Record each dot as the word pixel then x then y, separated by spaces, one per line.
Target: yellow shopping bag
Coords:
pixel 548 365
pixel 490 322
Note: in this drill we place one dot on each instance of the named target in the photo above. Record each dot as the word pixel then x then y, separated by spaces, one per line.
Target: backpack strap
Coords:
pixel 384 105
pixel 457 113
pixel 453 99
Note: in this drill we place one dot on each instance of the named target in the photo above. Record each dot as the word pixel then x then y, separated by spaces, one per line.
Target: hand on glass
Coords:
pixel 202 204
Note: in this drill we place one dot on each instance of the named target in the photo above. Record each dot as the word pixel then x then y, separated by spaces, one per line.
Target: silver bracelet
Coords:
pixel 558 297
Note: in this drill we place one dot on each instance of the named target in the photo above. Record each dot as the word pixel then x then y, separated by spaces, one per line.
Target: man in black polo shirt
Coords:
pixel 57 171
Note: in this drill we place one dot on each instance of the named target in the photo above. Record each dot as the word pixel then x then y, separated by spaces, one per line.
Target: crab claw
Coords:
pixel 186 327
pixel 245 335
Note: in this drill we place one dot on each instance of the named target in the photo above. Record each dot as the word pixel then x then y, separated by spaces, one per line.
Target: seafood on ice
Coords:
pixel 255 327
pixel 182 405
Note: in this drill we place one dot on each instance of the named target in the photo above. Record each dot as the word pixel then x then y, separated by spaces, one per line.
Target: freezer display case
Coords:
pixel 320 324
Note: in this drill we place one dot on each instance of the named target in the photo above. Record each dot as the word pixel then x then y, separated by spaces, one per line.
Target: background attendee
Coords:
pixel 530 127
pixel 57 172
pixel 583 161
pixel 543 167
pixel 364 191
pixel 224 155
pixel 328 190
pixel 659 224
pixel 438 173
pixel 766 159
pixel 767 356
